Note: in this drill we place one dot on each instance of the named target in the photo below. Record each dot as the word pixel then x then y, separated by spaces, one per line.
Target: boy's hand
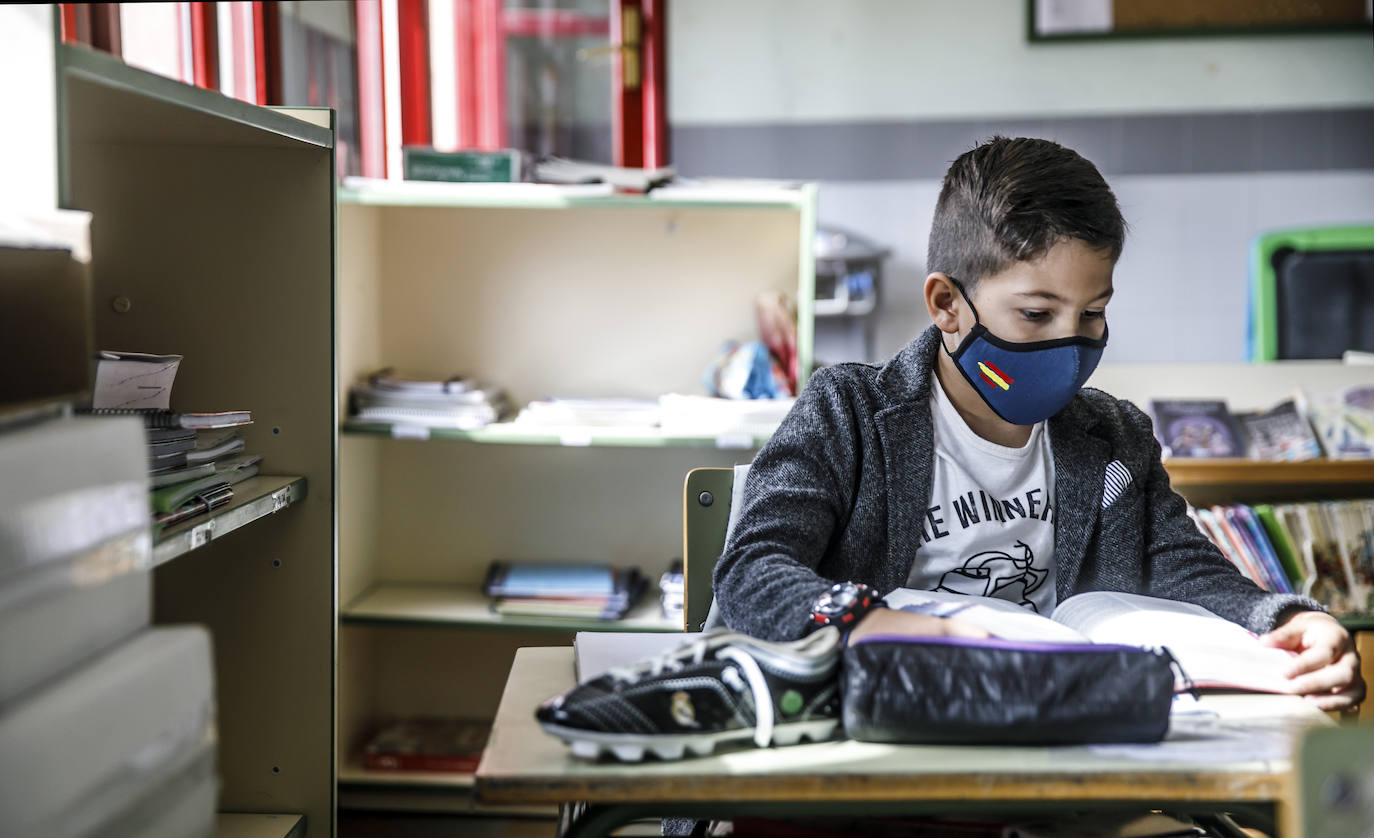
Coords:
pixel 894 621
pixel 1327 668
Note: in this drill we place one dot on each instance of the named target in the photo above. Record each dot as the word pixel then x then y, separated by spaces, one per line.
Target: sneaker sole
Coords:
pixel 632 747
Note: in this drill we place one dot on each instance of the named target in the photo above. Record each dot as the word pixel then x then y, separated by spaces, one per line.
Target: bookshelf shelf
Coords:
pixel 354 772
pixel 254 498
pixel 1191 473
pixel 461 605
pixel 243 825
pixel 508 433
pixel 553 196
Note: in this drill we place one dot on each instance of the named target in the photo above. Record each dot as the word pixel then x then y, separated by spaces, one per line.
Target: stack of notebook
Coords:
pixel 455 402
pixel 194 459
pixel 563 589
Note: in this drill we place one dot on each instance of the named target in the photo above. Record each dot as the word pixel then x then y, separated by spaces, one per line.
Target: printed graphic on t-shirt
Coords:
pixel 990 550
pixel 997 574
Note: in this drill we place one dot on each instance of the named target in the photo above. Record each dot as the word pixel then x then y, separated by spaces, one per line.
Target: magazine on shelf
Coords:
pixel 1282 432
pixel 133 380
pixel 1343 421
pixel 1211 651
pixel 1196 428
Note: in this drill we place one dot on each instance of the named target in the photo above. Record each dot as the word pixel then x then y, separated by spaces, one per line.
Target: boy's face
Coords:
pixel 1062 295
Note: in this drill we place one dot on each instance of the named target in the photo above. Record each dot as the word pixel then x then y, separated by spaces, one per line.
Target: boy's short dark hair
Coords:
pixel 1011 200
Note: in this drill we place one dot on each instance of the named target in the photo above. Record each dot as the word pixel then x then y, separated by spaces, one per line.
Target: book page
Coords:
pixel 999 617
pixel 1212 651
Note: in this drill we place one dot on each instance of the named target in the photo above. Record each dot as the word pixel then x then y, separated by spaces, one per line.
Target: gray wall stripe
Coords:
pixel 1146 144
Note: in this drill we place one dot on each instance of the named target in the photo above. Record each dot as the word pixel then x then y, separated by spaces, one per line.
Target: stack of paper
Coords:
pixel 455 402
pixel 707 416
pixel 599 413
pixel 563 589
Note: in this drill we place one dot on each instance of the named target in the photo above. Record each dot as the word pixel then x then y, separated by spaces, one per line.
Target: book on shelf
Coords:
pixel 172 476
pixel 562 589
pixel 180 443
pixel 1343 421
pixel 1321 549
pixel 133 380
pixel 234 470
pixel 433 744
pixel 214 444
pixel 564 171
pixel 1281 433
pixel 465 166
pixel 157 418
pixel 1212 653
pixel 1197 428
pixel 455 402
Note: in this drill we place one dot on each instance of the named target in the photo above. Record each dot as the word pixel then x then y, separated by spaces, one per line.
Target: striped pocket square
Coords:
pixel 1116 481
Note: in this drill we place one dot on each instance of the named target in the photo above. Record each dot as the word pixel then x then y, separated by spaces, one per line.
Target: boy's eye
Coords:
pixel 1094 314
pixel 1035 315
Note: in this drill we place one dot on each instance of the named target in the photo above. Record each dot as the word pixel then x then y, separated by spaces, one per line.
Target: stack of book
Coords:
pixel 194 459
pixel 672 591
pixel 455 402
pixel 1321 549
pixel 562 589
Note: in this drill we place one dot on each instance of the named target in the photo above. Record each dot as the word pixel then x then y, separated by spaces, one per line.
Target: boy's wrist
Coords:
pixel 844 604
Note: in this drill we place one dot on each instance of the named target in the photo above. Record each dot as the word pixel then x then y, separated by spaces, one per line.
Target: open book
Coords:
pixel 1213 652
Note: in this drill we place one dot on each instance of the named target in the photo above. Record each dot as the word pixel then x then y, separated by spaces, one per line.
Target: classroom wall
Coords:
pixel 1207 141
pixel 28 99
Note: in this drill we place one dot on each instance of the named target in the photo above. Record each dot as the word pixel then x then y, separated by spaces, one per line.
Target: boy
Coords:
pixel 972 462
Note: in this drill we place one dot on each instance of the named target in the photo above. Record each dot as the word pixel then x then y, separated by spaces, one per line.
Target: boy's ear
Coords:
pixel 943 302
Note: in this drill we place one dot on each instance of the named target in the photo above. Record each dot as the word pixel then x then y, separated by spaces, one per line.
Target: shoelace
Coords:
pixel 674 659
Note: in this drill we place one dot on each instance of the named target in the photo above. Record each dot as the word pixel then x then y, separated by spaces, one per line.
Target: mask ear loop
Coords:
pixel 977 321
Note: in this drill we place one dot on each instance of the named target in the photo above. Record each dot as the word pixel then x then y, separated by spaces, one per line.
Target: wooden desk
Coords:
pixel 523 765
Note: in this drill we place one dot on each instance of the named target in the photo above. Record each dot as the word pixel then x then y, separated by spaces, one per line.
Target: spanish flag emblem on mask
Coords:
pixel 994 376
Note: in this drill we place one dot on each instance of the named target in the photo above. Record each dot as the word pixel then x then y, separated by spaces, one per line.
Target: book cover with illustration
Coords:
pixel 1281 433
pixel 1343 421
pixel 1197 428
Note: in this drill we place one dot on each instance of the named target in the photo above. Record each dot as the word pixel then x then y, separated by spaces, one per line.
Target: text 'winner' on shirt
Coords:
pixel 989 530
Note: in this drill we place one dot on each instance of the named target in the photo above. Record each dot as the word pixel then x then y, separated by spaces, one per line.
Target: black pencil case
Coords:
pixel 991 691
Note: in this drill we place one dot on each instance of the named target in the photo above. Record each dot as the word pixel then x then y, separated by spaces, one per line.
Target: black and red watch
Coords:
pixel 845 604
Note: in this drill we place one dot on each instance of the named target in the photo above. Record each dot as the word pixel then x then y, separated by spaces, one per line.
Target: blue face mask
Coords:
pixel 1025 383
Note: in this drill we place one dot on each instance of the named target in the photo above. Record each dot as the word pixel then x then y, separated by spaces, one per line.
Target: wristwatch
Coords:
pixel 845 604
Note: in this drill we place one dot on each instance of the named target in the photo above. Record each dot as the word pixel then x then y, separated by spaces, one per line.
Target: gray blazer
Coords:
pixel 838 492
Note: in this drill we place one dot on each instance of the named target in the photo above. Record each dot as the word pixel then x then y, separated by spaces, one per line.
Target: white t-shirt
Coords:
pixel 989 530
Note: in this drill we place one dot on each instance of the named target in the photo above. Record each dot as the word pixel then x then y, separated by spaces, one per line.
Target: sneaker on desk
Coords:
pixel 717 688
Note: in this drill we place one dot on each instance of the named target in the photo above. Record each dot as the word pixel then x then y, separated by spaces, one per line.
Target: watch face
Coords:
pixel 838 599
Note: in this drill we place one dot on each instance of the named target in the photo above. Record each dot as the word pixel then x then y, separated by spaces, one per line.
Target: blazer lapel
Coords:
pixel 1080 465
pixel 908 456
